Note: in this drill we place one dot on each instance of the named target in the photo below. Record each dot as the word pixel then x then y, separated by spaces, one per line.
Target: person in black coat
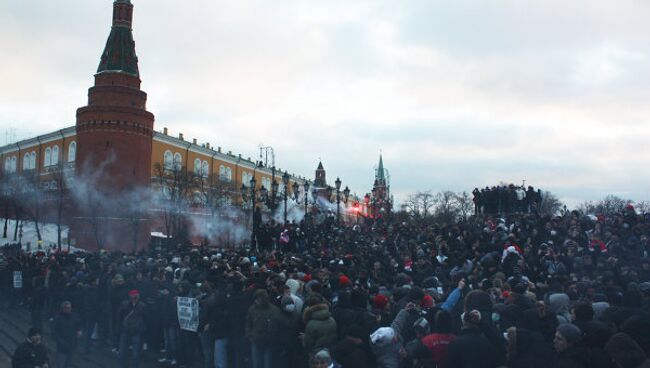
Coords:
pixel 471 349
pixel 568 345
pixel 31 353
pixel 352 351
pixel 219 326
pixel 65 330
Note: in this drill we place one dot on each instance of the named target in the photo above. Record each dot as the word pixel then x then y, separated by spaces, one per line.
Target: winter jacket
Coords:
pixel 573 357
pixel 261 321
pixel 167 311
pixel 219 316
pixel 471 350
pixel 350 355
pixel 28 355
pixel 64 331
pixel 438 345
pixel 131 317
pixel 320 330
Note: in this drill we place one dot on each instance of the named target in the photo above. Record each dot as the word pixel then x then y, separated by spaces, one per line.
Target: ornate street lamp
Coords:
pixel 285 181
pixel 346 194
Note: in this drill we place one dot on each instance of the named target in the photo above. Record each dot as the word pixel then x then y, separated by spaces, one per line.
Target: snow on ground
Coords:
pixel 48 234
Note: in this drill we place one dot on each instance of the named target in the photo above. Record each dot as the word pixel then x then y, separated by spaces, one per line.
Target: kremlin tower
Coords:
pixel 114 145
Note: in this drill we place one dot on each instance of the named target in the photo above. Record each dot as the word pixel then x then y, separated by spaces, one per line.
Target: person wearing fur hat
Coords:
pixel 320 327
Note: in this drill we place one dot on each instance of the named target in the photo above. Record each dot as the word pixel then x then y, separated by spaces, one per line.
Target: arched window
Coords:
pixel 178 161
pixel 197 167
pixel 26 159
pixel 72 151
pixel 222 173
pixel 32 160
pixel 47 159
pixel 8 164
pixel 168 160
pixel 13 164
pixel 55 155
pixel 205 169
pixel 246 178
pixel 228 174
pixel 267 183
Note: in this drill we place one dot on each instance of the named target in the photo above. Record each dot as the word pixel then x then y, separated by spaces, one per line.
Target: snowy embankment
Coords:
pixel 29 237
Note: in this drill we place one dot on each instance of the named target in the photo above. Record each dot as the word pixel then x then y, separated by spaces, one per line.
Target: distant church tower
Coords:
pixel 381 200
pixel 114 133
pixel 320 180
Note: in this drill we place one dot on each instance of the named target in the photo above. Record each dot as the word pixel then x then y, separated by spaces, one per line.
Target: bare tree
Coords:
pixel 550 204
pixel 6 196
pixel 642 207
pixel 446 208
pixel 609 205
pixel 215 194
pixel 464 204
pixel 174 189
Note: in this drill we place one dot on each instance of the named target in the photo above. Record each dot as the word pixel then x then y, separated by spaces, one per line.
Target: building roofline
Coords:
pixel 40 139
pixel 221 156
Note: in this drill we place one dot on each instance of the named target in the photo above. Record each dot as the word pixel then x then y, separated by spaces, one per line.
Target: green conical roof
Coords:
pixel 380 169
pixel 119 52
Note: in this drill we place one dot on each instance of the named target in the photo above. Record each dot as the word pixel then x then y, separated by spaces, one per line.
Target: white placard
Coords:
pixel 188 313
pixel 18 279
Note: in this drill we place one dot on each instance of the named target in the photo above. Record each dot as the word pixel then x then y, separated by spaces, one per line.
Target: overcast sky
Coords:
pixel 456 94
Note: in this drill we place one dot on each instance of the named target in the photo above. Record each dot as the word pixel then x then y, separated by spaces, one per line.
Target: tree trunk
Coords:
pixel 38 231
pixel 16 228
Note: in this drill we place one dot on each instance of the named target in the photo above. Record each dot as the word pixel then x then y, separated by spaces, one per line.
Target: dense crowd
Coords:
pixel 521 291
pixel 506 199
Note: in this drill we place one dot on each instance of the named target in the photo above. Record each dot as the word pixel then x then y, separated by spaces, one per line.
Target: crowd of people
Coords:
pixel 506 199
pixel 521 291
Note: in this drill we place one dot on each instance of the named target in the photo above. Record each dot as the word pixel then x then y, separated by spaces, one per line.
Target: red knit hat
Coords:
pixel 134 292
pixel 427 302
pixel 380 301
pixel 344 281
pixel 306 278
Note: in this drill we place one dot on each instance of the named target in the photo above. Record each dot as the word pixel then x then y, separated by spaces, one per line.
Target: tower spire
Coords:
pixel 119 52
pixel 380 170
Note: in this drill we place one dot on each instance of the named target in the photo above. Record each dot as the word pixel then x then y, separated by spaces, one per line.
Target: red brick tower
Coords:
pixel 114 133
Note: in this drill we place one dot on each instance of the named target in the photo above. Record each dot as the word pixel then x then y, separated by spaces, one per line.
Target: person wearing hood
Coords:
pixel 625 352
pixel 386 347
pixel 558 304
pixel 320 327
pixel 261 320
pixel 568 345
pixel 289 349
pixel 292 291
pixel 482 302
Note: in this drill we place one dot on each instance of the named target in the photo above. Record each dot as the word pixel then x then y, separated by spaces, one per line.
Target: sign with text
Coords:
pixel 18 280
pixel 188 313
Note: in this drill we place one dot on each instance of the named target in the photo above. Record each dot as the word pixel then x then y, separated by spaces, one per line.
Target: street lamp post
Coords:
pixel 296 194
pixel 346 194
pixel 285 181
